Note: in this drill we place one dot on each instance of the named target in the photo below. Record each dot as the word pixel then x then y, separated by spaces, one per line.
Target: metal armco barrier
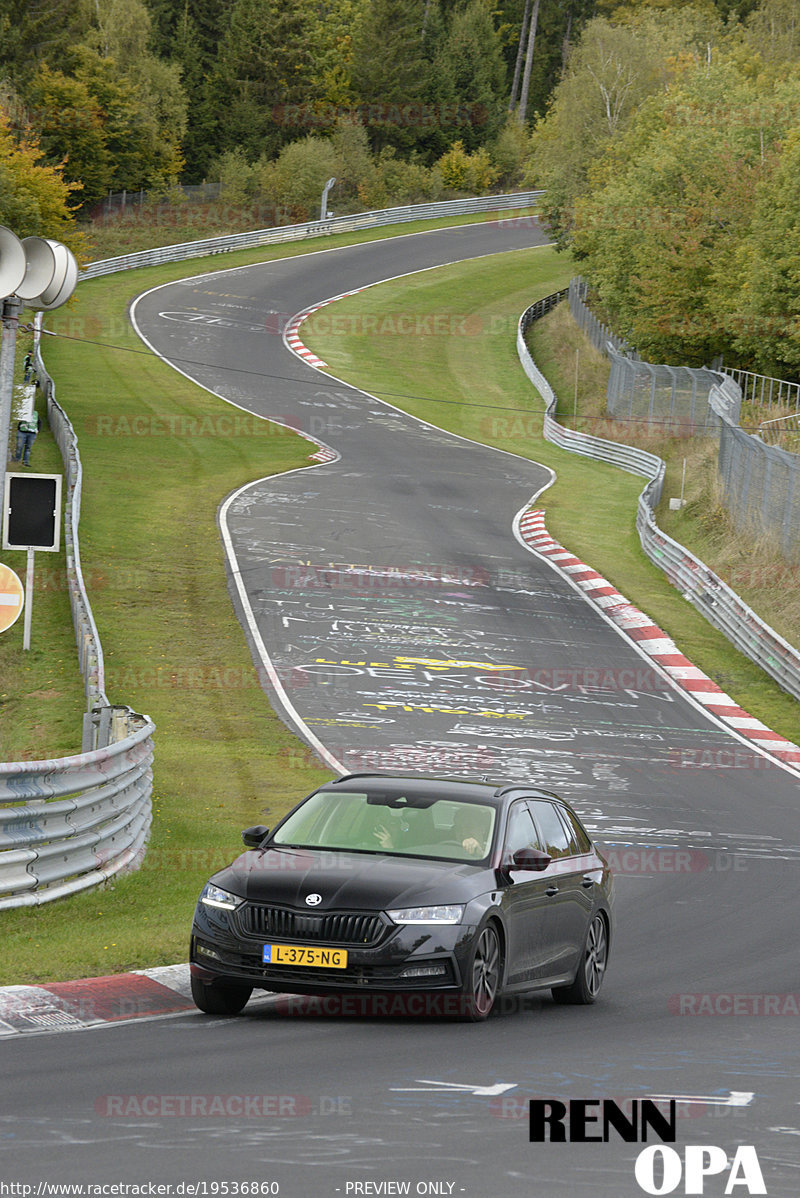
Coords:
pixel 311 228
pixel 73 822
pixel 712 597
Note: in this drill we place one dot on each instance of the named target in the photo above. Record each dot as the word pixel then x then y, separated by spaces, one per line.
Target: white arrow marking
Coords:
pixel 429 1087
pixel 735 1098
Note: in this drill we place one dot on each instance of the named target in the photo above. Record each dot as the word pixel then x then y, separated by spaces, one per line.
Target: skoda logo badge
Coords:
pixel 313 900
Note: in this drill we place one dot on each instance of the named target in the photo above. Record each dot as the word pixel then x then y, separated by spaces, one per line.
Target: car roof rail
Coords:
pixel 365 774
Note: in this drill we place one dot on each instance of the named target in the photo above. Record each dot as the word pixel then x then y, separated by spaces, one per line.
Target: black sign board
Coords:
pixel 32 512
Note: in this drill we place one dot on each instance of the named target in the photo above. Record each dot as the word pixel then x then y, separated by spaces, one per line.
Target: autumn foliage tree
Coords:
pixel 34 198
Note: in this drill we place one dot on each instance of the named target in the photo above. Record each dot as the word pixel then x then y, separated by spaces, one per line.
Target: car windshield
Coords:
pixel 401 825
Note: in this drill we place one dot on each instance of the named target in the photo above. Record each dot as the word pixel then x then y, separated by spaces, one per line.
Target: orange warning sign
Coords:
pixel 12 597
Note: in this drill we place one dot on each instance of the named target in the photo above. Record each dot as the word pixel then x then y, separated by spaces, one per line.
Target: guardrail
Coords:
pixel 313 228
pixel 71 823
pixel 712 597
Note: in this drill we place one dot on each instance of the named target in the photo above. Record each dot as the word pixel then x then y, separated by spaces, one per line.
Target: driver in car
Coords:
pixel 470 828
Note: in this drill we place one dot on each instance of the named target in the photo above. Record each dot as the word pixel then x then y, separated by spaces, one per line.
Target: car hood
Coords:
pixel 353 881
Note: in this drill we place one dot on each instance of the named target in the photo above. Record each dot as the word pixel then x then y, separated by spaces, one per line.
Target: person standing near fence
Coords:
pixel 26 435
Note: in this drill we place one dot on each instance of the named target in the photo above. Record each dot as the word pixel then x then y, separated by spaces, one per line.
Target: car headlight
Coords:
pixel 215 896
pixel 449 914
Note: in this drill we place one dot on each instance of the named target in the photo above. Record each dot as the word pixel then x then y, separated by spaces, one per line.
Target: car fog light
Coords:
pixel 203 951
pixel 424 971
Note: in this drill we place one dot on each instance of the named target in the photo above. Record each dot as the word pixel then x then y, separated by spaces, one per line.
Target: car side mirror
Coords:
pixel 531 858
pixel 253 837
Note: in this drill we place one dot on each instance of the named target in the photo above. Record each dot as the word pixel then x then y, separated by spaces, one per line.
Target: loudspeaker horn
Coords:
pixel 40 267
pixel 63 282
pixel 12 262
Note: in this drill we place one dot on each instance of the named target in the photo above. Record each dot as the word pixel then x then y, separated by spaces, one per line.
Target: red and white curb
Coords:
pixel 324 454
pixel 290 334
pixel 652 640
pixel 91 1002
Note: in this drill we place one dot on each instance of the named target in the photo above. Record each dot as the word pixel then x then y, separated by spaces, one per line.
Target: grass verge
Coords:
pixel 41 690
pixel 468 379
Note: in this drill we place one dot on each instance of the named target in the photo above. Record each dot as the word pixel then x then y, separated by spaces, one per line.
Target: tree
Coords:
pixel 34 31
pixel 262 89
pixel 391 71
pixel 767 278
pixel 35 201
pixel 71 130
pixel 533 25
pixel 144 115
pixel 472 60
pixel 667 227
pixel 295 181
pixel 772 30
pixel 609 75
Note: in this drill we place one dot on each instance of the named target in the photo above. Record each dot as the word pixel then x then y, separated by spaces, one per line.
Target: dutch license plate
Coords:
pixel 299 954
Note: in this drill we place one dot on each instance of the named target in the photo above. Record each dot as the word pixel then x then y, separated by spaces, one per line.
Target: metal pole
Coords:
pixel 26 634
pixel 12 307
pixel 323 206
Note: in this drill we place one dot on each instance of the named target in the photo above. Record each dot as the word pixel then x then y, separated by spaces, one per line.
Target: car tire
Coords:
pixel 482 977
pixel 591 969
pixel 224 998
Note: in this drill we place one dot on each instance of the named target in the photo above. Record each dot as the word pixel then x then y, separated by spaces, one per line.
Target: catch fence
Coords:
pixel 704 589
pixel 760 481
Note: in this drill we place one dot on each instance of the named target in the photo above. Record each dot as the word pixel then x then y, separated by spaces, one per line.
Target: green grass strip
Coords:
pixel 42 698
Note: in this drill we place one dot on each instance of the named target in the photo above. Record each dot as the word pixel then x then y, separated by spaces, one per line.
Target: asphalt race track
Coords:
pixel 407 629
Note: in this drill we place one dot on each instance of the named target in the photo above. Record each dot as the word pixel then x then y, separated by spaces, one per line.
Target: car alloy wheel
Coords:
pixel 483 977
pixel 594 965
pixel 591 969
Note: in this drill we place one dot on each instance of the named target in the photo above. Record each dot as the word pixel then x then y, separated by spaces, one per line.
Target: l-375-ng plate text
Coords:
pixel 299 954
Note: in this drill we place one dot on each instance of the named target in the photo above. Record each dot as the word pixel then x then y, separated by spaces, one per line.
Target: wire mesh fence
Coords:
pixel 760 481
pixel 672 398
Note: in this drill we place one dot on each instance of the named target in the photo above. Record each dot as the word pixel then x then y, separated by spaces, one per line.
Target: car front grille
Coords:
pixel 330 927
